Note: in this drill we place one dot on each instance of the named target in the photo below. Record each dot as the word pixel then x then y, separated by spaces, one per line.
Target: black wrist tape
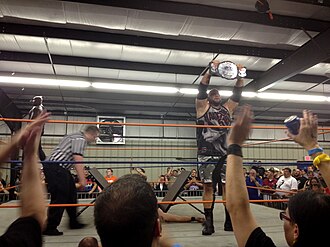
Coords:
pixel 237 93
pixel 235 149
pixel 202 94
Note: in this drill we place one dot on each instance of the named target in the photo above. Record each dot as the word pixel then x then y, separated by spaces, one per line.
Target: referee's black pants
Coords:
pixel 62 189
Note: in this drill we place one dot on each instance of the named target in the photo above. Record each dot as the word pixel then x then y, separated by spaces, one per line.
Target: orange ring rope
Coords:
pixel 278 140
pixel 137 148
pixel 262 188
pixel 8 188
pixel 146 124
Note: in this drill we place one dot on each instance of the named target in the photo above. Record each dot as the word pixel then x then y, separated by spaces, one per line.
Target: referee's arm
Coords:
pixel 80 169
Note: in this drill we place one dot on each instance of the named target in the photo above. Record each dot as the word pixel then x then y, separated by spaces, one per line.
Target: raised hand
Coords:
pixel 23 135
pixel 241 127
pixel 307 136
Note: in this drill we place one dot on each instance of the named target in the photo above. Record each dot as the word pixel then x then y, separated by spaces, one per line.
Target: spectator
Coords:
pixel 254 181
pixel 310 175
pixel 278 173
pixel 2 180
pixel 18 175
pixel 316 185
pixel 301 180
pixel 269 182
pixel 128 206
pixel 3 192
pixel 109 176
pixel 161 186
pixel 88 242
pixel 169 173
pixel 193 182
pixel 245 172
pixel 305 210
pixel 323 183
pixel 26 230
pixel 91 185
pixel 286 183
pixel 173 178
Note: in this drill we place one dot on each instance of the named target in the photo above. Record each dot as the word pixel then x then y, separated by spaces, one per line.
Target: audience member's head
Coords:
pixel 307 209
pixel 88 242
pixel 126 213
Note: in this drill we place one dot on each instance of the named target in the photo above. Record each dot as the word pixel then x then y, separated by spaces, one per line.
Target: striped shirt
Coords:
pixel 72 144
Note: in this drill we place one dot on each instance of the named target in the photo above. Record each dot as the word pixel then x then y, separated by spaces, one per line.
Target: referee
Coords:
pixel 60 182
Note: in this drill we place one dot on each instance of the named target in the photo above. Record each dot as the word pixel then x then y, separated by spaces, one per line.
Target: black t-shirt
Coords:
pixel 301 182
pixel 259 239
pixel 23 232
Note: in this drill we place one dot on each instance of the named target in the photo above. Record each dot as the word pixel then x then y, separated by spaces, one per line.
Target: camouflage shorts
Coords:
pixel 209 172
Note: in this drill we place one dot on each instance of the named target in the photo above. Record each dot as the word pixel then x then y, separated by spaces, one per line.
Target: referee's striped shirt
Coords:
pixel 72 144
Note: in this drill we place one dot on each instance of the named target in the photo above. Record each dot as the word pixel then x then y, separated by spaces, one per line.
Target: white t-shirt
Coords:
pixel 288 184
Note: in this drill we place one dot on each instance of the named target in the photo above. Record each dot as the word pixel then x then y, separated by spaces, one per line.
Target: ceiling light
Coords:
pixel 43 82
pixel 296 97
pixel 266 87
pixel 193 91
pixel 134 88
pixel 225 92
pixel 249 94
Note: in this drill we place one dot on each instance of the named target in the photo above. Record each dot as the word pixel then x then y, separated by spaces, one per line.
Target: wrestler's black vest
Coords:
pixel 212 141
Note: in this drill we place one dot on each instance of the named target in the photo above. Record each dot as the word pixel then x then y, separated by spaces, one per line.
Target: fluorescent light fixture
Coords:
pixel 249 94
pixel 43 82
pixel 328 99
pixel 225 93
pixel 295 97
pixel 134 88
pixel 267 87
pixel 192 91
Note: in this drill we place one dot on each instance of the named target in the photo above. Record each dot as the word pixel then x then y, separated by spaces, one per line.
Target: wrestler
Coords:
pixel 35 111
pixel 211 142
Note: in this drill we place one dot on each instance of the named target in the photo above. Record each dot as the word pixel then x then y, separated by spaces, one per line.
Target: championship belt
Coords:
pixel 227 70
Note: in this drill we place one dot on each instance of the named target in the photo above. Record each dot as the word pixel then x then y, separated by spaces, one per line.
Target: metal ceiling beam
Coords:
pixel 198 10
pixel 313 52
pixel 100 63
pixel 140 41
pixel 114 107
pixel 122 65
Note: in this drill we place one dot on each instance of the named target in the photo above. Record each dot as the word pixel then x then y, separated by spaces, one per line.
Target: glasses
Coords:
pixel 283 216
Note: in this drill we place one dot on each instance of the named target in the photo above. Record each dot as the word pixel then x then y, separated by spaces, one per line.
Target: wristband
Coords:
pixel 235 149
pixel 320 158
pixel 193 218
pixel 314 151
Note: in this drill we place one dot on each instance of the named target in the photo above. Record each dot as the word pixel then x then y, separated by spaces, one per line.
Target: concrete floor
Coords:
pixel 187 234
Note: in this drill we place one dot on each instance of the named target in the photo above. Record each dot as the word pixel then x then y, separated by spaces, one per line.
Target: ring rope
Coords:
pixel 151 162
pixel 162 202
pixel 148 124
pixel 8 188
pixel 278 140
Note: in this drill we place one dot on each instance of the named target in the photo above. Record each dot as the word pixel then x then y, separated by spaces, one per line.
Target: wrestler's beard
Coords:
pixel 215 103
